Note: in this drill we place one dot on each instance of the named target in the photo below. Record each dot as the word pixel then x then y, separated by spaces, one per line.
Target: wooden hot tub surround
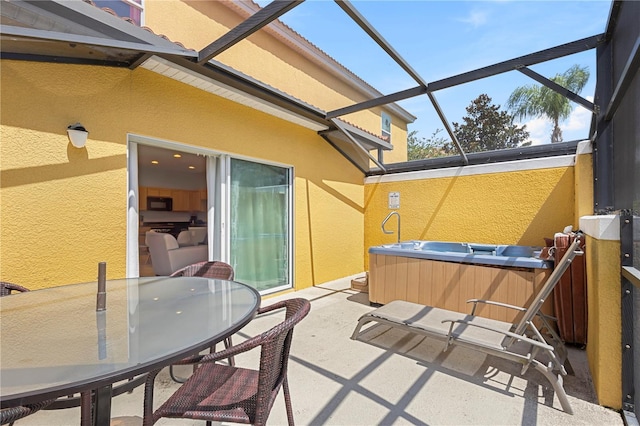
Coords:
pixel 449 284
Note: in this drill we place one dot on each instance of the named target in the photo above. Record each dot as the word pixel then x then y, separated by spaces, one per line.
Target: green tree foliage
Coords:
pixel 486 128
pixel 540 101
pixel 419 148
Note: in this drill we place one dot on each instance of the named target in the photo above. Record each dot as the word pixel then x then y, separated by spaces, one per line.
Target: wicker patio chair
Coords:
pixel 10 415
pixel 219 392
pixel 7 288
pixel 214 269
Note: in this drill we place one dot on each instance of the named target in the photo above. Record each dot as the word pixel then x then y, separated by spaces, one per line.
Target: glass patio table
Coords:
pixel 55 343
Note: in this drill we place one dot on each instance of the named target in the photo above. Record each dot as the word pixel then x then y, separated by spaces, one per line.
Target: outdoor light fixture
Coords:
pixel 77 135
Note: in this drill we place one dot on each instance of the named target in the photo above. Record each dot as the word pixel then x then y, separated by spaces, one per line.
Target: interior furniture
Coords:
pixel 192 237
pixel 184 239
pixel 521 341
pixel 214 269
pixel 167 256
pixel 149 323
pixel 217 392
pixel 198 234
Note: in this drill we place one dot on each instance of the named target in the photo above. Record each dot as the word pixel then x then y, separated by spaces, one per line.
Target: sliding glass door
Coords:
pixel 259 226
pixel 245 207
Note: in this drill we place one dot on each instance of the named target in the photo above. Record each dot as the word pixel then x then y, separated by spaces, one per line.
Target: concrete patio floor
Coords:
pixel 386 377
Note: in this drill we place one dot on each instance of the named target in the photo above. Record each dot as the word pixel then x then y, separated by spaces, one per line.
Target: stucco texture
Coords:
pixel 519 207
pixel 603 332
pixel 270 60
pixel 64 209
pixel 584 186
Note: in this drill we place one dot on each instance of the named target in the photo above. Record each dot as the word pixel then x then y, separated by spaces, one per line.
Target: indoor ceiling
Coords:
pixel 167 162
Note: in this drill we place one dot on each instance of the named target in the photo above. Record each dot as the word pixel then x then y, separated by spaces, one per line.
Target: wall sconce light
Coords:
pixel 77 135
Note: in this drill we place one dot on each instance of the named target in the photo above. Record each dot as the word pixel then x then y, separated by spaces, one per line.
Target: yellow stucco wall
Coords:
pixel 516 207
pixel 603 291
pixel 64 209
pixel 519 207
pixel 271 61
pixel 604 324
pixel 584 184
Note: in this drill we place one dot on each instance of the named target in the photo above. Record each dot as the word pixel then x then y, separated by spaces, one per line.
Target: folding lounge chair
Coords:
pixel 490 336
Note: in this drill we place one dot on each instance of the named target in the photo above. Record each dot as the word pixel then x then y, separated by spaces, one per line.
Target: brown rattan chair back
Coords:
pixel 217 392
pixel 7 288
pixel 215 269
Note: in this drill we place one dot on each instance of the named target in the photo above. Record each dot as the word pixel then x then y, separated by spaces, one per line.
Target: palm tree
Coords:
pixel 540 101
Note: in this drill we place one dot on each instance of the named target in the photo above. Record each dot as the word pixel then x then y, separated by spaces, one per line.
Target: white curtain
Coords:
pixel 133 249
pixel 259 224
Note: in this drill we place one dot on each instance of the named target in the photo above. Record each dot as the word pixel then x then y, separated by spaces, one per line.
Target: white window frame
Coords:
pixel 139 6
pixel 385 116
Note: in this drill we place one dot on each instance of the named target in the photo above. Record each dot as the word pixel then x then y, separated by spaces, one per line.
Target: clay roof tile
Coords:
pixel 131 21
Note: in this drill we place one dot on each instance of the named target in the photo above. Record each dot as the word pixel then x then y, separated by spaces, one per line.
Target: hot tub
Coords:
pixel 447 274
pixel 473 253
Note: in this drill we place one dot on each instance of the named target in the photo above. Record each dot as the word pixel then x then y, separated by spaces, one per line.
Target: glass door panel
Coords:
pixel 259 228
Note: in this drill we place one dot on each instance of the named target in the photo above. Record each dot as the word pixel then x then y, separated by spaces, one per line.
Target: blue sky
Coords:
pixel 440 39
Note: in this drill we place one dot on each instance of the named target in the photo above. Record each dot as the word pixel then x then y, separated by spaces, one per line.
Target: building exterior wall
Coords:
pixel 603 286
pixel 604 339
pixel 584 180
pixel 270 60
pixel 64 209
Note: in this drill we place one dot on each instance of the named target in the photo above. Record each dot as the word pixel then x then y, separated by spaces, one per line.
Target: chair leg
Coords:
pixel 174 377
pixel 147 406
pixel 227 345
pixel 287 401
pixel 362 321
pixel 86 408
pixel 558 385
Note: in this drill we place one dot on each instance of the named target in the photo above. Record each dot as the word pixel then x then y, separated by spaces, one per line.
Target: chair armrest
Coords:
pixel 505 333
pixel 506 305
pixel 272 307
pixel 245 346
pixel 491 302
